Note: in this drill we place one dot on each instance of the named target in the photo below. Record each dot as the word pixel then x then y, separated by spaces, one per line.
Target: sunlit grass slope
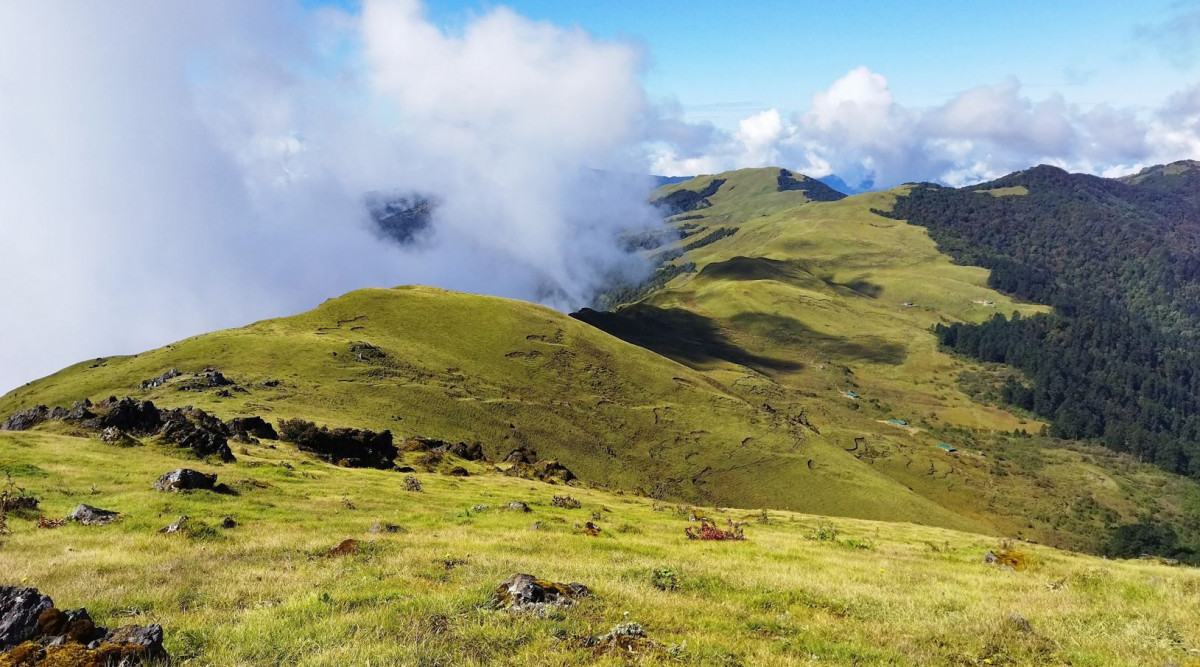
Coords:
pixel 511 374
pixel 812 304
pixel 267 592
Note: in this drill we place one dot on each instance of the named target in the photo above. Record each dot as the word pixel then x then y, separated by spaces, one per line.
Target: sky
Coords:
pixel 170 169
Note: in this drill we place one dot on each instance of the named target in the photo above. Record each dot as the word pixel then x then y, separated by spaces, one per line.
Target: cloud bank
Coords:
pixel 171 169
pixel 858 131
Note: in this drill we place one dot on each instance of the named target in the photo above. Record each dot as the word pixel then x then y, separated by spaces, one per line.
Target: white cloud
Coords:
pixel 857 130
pixel 173 169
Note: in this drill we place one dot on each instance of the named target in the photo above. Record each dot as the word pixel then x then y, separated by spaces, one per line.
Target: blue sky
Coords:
pixel 723 60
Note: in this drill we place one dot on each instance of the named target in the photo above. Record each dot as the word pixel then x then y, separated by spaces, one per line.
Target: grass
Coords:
pixel 800 590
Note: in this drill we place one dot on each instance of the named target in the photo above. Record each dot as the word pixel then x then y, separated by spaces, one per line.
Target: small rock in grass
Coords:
pixel 345 548
pixel 458 471
pixel 176 527
pixel 383 527
pixel 92 516
pixel 522 592
pixel 228 522
pixel 185 479
pixel 516 506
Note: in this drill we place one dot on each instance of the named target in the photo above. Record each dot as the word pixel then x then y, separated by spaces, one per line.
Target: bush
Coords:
pixel 664 579
pixel 709 531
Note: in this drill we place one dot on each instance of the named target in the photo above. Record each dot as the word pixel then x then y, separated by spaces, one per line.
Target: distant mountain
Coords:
pixel 837 183
pixel 660 181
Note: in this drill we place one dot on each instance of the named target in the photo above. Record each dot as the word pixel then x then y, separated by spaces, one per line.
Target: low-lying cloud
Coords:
pixel 858 131
pixel 169 169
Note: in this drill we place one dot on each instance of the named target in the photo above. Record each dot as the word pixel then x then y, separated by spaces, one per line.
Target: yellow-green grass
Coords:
pixel 506 374
pixel 265 592
pixel 837 298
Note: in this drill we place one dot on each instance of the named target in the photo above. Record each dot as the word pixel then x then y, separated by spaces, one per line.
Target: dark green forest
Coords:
pixel 1119 260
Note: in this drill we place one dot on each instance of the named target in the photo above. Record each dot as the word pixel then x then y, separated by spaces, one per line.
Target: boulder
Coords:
pixel 26 419
pixel 198 431
pixel 20 608
pixel 543 471
pixel 458 471
pixel 92 516
pixel 185 479
pixel 80 410
pixel 254 427
pixel 228 523
pixel 565 502
pixel 127 415
pixel 522 592
pixel 516 506
pixel 351 447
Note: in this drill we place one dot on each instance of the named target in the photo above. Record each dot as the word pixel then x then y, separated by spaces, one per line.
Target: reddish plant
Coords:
pixel 709 531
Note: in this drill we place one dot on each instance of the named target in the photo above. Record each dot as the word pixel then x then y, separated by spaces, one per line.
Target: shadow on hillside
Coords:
pixel 678 334
pixel 794 272
pixel 785 331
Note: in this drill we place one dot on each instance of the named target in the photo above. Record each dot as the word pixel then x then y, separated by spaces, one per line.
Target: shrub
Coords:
pixel 664 579
pixel 566 502
pixel 709 531
pixel 411 483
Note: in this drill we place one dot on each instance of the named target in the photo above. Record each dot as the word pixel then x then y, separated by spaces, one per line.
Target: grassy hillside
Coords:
pixel 813 303
pixel 799 590
pixel 509 374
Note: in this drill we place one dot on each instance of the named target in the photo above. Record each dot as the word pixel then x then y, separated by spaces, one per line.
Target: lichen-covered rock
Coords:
pixel 20 608
pixel 92 516
pixel 186 479
pixel 176 527
pixel 118 438
pixel 26 419
pixel 516 506
pixel 523 592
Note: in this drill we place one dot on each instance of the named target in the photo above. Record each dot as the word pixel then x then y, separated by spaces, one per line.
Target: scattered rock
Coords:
pixel 480 508
pixel 115 436
pixel 472 452
pixel 254 427
pixel 26 419
pixel 186 479
pixel 92 516
pixel 198 431
pixel 566 502
pixel 626 639
pixel 80 410
pixel 345 548
pixel 405 469
pixel 524 592
pixel 176 527
pixel 269 383
pixel 591 530
pixel 458 471
pixel 411 483
pixel 383 527
pixel 516 506
pixel 161 380
pixel 228 523
pixel 205 379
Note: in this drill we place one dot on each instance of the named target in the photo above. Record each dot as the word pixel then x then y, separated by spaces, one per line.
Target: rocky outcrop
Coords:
pixel 525 592
pixel 160 380
pixel 26 419
pixel 35 632
pixel 251 427
pixel 92 516
pixel 349 447
pixel 116 437
pixel 198 431
pixel 472 452
pixel 186 479
pixel 521 455
pixel 543 471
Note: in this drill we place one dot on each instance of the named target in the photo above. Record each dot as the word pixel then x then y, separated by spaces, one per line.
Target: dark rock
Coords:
pixel 354 448
pixel 269 383
pixel 59 413
pixel 26 419
pixel 542 471
pixel 523 592
pixel 176 527
pixel 20 608
pixel 462 450
pixel 405 469
pixel 516 506
pixel 149 637
pixel 185 479
pixel 129 415
pixel 458 471
pixel 92 516
pixel 228 523
pixel 255 427
pixel 80 410
pixel 198 431
pixel 521 455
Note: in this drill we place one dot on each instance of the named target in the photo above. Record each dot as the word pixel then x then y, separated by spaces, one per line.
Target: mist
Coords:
pixel 173 169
